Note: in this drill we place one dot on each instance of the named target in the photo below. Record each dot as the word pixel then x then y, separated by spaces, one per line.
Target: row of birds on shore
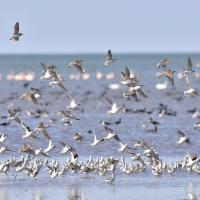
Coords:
pixel 146 159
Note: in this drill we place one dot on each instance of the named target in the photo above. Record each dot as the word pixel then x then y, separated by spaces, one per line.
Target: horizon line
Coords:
pixel 100 53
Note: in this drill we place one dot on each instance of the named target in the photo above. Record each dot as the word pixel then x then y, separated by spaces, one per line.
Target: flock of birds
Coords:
pixel 141 155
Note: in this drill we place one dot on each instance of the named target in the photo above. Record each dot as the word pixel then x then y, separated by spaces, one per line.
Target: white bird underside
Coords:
pixel 114 109
pixel 47 75
pixel 50 146
pixel 3 138
pixel 191 92
pixel 122 147
pixel 73 105
pixel 96 141
pixel 182 140
pixel 108 62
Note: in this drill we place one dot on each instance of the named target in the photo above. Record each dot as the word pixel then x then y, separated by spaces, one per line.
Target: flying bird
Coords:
pixel 109 58
pixel 183 138
pixel 189 91
pixel 169 74
pixel 16 35
pixel 96 141
pixel 188 69
pixel 29 96
pixel 41 128
pixel 78 64
pixel 47 71
pixel 163 63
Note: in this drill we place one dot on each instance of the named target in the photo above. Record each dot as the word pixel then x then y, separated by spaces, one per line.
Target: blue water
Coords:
pixel 95 108
pixel 93 61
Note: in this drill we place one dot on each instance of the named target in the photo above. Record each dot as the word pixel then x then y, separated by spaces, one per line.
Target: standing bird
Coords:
pixel 16 35
pixel 78 64
pixel 109 58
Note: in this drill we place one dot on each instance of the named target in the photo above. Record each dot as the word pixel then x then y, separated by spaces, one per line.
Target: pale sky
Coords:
pixel 64 26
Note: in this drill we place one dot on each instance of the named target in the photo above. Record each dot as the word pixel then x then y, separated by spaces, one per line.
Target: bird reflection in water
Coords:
pixel 74 192
pixel 190 192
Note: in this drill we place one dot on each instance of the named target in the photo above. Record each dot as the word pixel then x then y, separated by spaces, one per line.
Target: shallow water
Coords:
pixel 77 186
pixel 125 187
